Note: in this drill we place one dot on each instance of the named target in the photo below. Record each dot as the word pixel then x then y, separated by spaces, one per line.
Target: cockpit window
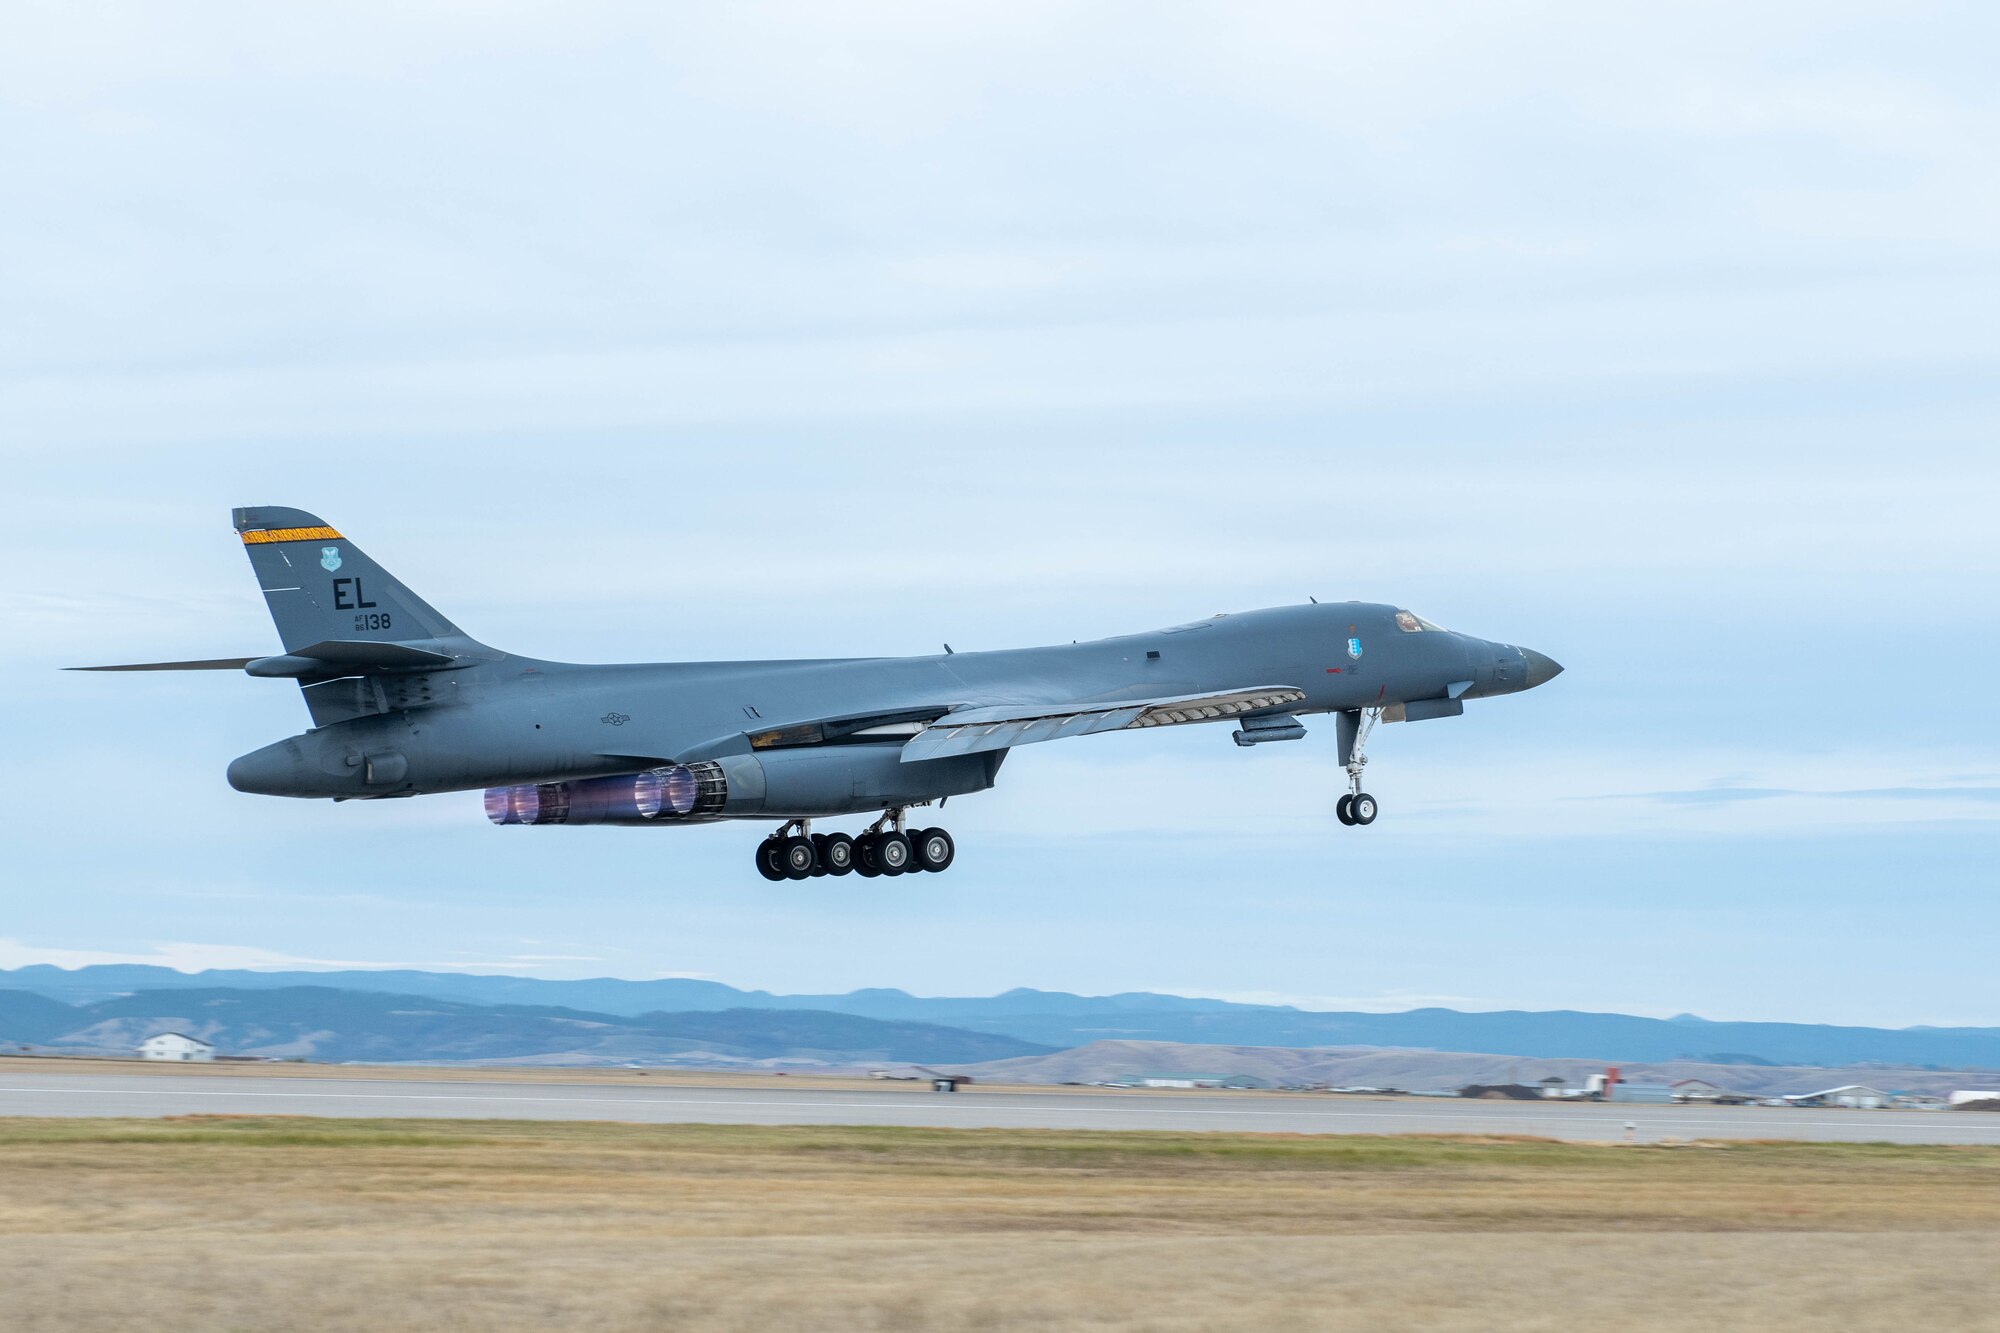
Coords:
pixel 1414 624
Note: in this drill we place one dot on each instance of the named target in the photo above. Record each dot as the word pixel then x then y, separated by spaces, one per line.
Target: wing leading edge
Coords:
pixel 971 730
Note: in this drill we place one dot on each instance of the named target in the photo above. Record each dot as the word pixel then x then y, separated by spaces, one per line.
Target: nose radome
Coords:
pixel 261 771
pixel 1541 667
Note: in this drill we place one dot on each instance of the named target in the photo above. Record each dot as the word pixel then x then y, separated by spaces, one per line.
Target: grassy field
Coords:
pixel 273 1223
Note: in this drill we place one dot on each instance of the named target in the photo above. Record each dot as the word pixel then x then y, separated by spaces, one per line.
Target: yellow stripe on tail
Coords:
pixel 257 537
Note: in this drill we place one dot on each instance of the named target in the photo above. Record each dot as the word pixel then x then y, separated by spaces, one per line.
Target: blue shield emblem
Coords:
pixel 329 557
pixel 1354 649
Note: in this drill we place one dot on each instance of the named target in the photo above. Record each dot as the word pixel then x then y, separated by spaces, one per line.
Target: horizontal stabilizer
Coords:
pixel 209 664
pixel 972 730
pixel 362 653
pixel 329 657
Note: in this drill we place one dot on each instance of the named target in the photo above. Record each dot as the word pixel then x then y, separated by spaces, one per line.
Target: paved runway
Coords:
pixel 28 1093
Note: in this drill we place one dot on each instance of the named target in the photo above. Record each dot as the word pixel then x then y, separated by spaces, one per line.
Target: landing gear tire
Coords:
pixel 933 849
pixel 836 854
pixel 1362 810
pixel 768 863
pixel 1343 810
pixel 797 857
pixel 893 853
pixel 864 857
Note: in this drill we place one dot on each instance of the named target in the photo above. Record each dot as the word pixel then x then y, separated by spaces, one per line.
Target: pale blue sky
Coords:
pixel 1660 340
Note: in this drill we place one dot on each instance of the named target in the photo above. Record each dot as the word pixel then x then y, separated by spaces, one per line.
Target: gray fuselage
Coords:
pixel 495 719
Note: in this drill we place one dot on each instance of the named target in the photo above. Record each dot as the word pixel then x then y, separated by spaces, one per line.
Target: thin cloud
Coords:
pixel 1733 795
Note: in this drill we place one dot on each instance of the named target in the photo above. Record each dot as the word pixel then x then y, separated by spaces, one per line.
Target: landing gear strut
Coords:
pixel 790 853
pixel 1354 726
pixel 885 847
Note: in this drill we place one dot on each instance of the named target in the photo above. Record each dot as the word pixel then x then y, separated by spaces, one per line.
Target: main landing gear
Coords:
pixel 1354 725
pixel 885 847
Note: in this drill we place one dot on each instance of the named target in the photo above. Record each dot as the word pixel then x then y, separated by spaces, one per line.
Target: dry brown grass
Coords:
pixel 266 1223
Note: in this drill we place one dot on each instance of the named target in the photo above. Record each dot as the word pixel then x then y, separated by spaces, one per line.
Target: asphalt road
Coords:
pixel 27 1093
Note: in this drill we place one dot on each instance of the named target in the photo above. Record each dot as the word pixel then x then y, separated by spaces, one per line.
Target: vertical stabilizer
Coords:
pixel 322 588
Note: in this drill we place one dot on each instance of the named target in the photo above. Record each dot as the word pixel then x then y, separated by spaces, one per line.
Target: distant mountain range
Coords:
pixel 330 1024
pixel 1056 1019
pixel 609 995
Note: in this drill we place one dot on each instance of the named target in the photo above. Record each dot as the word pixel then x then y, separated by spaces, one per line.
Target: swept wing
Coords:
pixel 971 730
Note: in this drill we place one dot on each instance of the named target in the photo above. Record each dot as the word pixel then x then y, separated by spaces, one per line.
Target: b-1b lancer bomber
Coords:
pixel 404 703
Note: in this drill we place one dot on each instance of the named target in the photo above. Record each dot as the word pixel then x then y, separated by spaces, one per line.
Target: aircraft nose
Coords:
pixel 1541 667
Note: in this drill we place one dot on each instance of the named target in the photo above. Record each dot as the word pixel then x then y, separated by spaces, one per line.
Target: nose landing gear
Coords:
pixel 885 847
pixel 1353 728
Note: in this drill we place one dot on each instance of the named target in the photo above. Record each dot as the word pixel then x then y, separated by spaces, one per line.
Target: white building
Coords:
pixel 1697 1090
pixel 1853 1096
pixel 175 1046
pixel 1960 1098
pixel 1190 1081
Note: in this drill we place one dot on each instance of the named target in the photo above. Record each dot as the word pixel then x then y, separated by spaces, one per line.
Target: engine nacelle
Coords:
pixel 807 782
pixel 678 793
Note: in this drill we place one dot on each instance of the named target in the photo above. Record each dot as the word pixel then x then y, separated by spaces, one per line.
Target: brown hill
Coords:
pixel 1101 1061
